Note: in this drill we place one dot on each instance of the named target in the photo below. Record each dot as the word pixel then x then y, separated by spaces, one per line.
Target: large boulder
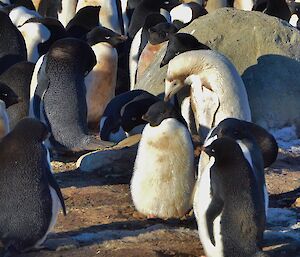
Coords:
pixel 266 52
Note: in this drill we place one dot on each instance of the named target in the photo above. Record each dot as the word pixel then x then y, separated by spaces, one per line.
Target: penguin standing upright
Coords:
pixel 101 80
pixel 62 90
pixel 12 44
pixel 67 11
pixel 18 77
pixel 30 196
pixel 163 177
pixel 39 34
pixel 228 205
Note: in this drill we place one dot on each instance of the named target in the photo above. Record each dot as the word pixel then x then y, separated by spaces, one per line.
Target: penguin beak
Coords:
pixel 122 38
pixel 171 88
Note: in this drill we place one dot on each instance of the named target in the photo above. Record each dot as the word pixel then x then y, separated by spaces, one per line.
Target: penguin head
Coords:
pixel 84 20
pixel 160 111
pixel 102 34
pixel 160 32
pixel 151 20
pixel 225 150
pixel 240 130
pixel 8 95
pixel 30 129
pixel 133 111
pixel 25 3
pixel 180 43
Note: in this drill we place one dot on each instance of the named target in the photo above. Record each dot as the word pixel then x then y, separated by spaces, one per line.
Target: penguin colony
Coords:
pixel 67 77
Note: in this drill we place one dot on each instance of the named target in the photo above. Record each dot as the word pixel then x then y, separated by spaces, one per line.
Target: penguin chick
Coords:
pixel 163 177
pixel 101 81
pixel 30 196
pixel 228 206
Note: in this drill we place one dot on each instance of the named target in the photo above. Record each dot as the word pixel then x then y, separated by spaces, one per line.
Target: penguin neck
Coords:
pixel 107 51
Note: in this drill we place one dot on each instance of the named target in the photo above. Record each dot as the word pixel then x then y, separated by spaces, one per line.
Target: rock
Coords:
pixel 296 204
pixel 264 49
pixel 117 159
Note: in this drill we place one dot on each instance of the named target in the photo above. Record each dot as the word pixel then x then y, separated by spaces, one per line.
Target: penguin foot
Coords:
pixel 151 216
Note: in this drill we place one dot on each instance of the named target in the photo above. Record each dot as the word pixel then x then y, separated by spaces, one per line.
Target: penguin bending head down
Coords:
pixel 228 206
pixel 163 177
pixel 30 196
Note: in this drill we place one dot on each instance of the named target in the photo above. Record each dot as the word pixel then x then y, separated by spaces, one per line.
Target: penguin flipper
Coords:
pixel 52 182
pixel 213 211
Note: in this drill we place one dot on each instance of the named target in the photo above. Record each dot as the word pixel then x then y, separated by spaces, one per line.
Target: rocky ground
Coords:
pixel 101 219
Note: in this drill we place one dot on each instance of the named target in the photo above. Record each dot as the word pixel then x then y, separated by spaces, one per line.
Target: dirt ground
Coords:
pixel 101 219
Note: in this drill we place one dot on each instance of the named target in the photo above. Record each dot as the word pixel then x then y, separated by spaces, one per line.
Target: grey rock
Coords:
pixel 266 52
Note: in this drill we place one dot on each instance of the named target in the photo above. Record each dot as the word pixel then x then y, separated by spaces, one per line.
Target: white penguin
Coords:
pixel 217 89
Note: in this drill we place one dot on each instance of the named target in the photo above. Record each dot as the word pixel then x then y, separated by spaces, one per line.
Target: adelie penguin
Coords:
pixel 40 34
pixel 18 78
pixel 123 115
pixel 59 97
pixel 101 80
pixel 277 8
pixel 157 35
pixel 228 206
pixel 163 176
pixel 7 98
pixel 217 90
pixel 30 196
pixel 183 14
pixel 12 44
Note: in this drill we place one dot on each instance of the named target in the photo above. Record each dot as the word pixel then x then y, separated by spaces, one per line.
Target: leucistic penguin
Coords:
pixel 7 98
pixel 163 178
pixel 182 15
pixel 40 34
pixel 30 196
pixel 60 94
pixel 12 44
pixel 139 42
pixel 85 20
pixel 18 77
pixel 179 43
pixel 217 90
pixel 228 205
pixel 101 80
pixel 158 34
pixel 122 115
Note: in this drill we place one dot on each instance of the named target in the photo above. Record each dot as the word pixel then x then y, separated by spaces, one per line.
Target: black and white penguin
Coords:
pixel 101 80
pixel 261 143
pixel 182 15
pixel 144 8
pixel 111 121
pixel 295 12
pixel 21 11
pixel 139 42
pixel 40 34
pixel 217 90
pixel 8 98
pixel 180 43
pixel 12 44
pixel 228 205
pixel 110 13
pixel 133 111
pixel 157 35
pixel 277 8
pixel 67 11
pixel 85 20
pixel 30 196
pixel 18 77
pixel 61 93
pixel 163 177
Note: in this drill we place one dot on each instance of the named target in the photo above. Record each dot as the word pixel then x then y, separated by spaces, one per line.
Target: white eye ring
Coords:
pixel 107 37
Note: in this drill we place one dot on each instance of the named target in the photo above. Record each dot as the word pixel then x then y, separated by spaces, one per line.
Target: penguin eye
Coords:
pixel 177 53
pixel 107 37
pixel 5 94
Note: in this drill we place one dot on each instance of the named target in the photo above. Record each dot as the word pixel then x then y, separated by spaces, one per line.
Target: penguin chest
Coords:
pixel 163 178
pixel 202 201
pixel 147 56
pixel 101 82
